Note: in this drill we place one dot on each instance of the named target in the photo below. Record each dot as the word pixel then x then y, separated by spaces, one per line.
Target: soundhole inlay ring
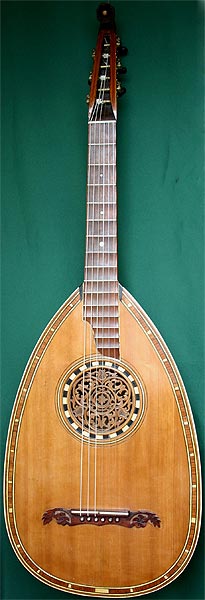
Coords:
pixel 101 401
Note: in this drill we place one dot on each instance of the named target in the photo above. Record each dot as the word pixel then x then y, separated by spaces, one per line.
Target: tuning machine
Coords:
pixel 90 78
pixel 120 90
pixel 120 69
pixel 121 50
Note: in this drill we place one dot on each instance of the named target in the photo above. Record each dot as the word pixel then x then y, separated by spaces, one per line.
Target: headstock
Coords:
pixel 105 86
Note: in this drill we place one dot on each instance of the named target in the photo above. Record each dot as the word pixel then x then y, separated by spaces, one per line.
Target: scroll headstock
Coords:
pixel 105 86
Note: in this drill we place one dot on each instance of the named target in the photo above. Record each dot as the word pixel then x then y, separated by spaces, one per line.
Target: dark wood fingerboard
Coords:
pixel 100 299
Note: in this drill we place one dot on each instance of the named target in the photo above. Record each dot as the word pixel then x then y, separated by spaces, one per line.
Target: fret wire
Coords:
pixel 109 292
pixel 100 266
pixel 101 252
pixel 99 122
pixel 101 143
pixel 110 305
pixel 100 280
pixel 102 196
pixel 106 326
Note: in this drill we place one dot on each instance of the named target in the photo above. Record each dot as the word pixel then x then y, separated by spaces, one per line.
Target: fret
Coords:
pixel 108 268
pixel 99 200
pixel 94 299
pixel 100 122
pixel 101 254
pixel 106 338
pixel 98 235
pixel 105 194
pixel 101 238
pixel 102 131
pixel 98 203
pixel 102 297
pixel 100 266
pixel 99 311
pixel 101 176
pixel 101 288
pixel 100 249
pixel 109 322
pixel 100 273
pixel 98 282
pixel 107 283
pixel 97 289
pixel 102 154
pixel 113 353
pixel 101 143
pixel 101 327
pixel 108 344
pixel 101 228
pixel 100 211
pixel 106 265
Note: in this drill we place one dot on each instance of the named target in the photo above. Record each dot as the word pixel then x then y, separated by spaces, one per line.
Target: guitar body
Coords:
pixel 102 471
pixel 145 462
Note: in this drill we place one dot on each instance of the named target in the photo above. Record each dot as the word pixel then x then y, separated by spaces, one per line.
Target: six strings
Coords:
pixel 99 251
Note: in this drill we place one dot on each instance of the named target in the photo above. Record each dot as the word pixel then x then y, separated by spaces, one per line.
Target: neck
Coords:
pixel 100 301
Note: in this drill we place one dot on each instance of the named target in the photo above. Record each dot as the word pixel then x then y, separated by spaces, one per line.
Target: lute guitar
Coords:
pixel 102 469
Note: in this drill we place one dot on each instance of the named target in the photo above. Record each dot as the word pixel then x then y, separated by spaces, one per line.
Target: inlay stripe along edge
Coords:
pixel 189 433
pixel 188 426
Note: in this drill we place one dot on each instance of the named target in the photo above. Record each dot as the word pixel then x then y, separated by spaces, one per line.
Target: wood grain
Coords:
pixel 155 469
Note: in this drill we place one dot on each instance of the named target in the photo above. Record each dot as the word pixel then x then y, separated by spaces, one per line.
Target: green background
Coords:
pixel 46 60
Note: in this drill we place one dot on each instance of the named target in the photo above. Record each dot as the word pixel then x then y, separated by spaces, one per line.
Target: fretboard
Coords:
pixel 100 300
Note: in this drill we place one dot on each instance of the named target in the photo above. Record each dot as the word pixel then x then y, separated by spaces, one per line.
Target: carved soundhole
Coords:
pixel 101 401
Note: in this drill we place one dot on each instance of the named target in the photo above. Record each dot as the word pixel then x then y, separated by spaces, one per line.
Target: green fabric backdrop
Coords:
pixel 46 61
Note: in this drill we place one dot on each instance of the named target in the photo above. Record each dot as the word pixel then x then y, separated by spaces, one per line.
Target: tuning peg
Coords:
pixel 88 98
pixel 93 53
pixel 121 70
pixel 90 78
pixel 123 51
pixel 121 91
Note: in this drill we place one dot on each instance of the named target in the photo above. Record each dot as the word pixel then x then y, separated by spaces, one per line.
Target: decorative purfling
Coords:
pixel 101 400
pixel 102 420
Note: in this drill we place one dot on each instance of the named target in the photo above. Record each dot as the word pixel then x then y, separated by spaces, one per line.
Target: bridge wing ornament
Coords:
pixel 66 516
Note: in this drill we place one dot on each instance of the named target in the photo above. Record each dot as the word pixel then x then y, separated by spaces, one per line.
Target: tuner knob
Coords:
pixel 90 78
pixel 121 91
pixel 93 53
pixel 123 51
pixel 121 70
pixel 88 98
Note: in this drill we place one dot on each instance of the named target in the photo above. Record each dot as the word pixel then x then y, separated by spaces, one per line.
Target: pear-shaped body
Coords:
pixel 102 472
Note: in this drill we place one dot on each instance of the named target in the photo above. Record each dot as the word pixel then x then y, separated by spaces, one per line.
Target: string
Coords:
pixel 99 129
pixel 97 160
pixel 93 169
pixel 88 214
pixel 100 244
